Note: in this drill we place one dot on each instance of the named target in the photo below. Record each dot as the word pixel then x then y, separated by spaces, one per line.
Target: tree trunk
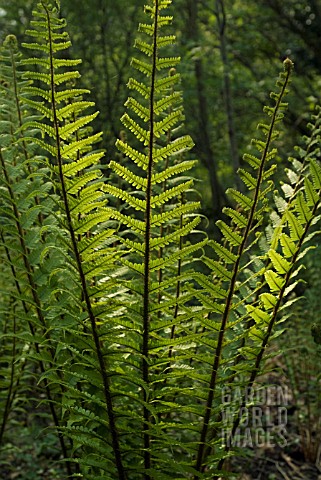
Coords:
pixel 228 99
pixel 203 142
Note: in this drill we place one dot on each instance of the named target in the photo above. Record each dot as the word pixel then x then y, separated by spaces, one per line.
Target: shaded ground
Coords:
pixel 33 457
pixel 277 465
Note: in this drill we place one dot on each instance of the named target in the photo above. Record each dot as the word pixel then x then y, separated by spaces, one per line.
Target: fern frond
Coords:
pixel 236 242
pixel 82 208
pixel 27 199
pixel 288 249
pixel 156 241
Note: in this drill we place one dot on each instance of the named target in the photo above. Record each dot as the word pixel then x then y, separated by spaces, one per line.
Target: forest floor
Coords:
pixel 36 460
pixel 277 465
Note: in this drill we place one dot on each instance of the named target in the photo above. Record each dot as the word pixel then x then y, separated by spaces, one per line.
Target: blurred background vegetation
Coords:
pixel 231 52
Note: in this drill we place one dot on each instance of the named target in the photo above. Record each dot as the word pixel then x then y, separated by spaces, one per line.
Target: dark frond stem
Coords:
pixel 146 315
pixel 11 389
pixel 103 371
pixel 11 397
pixel 218 350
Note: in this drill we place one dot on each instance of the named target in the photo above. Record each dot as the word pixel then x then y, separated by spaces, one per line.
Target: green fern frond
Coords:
pixel 157 238
pixel 288 249
pixel 236 243
pixel 27 199
pixel 81 204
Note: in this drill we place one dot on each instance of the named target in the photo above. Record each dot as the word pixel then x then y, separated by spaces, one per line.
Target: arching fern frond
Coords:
pixel 81 213
pixel 286 246
pixel 239 239
pixel 25 207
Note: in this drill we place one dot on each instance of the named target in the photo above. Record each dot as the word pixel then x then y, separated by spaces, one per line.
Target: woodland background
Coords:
pixel 231 52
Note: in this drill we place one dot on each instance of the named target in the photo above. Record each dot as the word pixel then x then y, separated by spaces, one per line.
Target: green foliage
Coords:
pixel 130 318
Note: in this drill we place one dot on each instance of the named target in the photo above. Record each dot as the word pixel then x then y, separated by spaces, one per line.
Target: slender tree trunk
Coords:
pixel 228 99
pixel 203 140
